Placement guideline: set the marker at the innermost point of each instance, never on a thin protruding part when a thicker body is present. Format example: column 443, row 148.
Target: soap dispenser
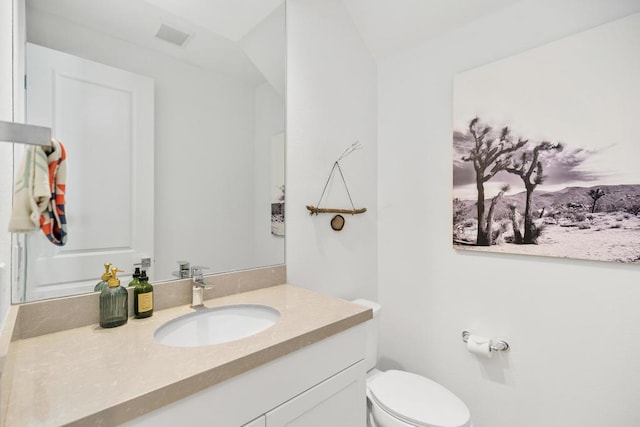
column 105, row 276
column 114, row 303
column 136, row 278
column 143, row 297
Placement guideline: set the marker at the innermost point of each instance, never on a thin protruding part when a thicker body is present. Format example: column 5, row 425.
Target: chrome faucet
column 198, row 286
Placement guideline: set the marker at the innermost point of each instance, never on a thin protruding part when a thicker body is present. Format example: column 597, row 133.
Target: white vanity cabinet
column 322, row 384
column 337, row 401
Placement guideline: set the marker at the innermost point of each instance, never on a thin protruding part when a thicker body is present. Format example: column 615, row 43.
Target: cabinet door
column 339, row 401
column 258, row 422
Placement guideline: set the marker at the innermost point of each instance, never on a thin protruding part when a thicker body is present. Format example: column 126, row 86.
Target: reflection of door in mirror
column 104, row 116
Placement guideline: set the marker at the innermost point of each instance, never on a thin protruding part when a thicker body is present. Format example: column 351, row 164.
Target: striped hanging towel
column 53, row 220
column 31, row 191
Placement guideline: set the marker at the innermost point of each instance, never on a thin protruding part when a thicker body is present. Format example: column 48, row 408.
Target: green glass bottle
column 136, row 278
column 143, row 297
column 105, row 277
column 114, row 303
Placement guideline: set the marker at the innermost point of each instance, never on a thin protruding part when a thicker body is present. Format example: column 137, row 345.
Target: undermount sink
column 216, row 325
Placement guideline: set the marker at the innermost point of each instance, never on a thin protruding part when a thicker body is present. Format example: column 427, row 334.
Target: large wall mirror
column 173, row 117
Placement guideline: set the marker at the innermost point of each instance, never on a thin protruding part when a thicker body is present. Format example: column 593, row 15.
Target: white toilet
column 402, row 399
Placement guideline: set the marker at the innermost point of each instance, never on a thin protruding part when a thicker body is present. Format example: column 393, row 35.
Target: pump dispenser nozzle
column 107, row 274
column 103, row 283
column 113, row 280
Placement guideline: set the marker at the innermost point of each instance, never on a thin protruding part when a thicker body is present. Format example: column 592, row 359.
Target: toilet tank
column 371, row 357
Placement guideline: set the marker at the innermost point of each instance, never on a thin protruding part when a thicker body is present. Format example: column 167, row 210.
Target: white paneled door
column 105, row 118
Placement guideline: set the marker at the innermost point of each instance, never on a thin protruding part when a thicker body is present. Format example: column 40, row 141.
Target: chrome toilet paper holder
column 495, row 345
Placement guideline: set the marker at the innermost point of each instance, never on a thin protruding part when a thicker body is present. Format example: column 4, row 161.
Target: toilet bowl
column 402, row 399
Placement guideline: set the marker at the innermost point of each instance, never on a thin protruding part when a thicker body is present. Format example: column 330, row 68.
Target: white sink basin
column 216, row 325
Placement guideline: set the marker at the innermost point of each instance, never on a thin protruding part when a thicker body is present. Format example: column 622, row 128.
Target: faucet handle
column 184, row 269
column 198, row 279
column 197, row 270
column 196, row 273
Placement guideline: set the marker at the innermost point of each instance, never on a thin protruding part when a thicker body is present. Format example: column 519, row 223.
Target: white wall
column 265, row 45
column 6, row 152
column 204, row 127
column 270, row 121
column 331, row 103
column 572, row 325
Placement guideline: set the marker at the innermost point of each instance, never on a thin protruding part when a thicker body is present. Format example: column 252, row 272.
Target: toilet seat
column 417, row 401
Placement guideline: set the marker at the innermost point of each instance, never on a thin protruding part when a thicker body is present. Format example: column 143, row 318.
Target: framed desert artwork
column 546, row 149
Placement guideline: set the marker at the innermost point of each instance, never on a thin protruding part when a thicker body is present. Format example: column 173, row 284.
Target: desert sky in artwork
column 583, row 91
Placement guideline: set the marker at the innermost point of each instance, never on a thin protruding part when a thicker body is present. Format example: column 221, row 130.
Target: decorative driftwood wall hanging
column 337, row 222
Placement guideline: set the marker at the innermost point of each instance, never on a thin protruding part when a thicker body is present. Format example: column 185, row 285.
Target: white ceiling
column 226, row 33
column 390, row 26
column 230, row 19
column 213, row 46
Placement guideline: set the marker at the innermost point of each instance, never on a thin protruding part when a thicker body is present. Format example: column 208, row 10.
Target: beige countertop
column 94, row 376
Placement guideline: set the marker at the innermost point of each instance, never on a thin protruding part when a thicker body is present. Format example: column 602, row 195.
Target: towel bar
column 25, row 134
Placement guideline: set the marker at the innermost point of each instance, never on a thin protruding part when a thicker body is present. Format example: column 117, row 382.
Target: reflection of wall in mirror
column 269, row 122
column 277, row 185
column 205, row 134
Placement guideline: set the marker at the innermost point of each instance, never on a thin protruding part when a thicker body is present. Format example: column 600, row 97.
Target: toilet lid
column 418, row 400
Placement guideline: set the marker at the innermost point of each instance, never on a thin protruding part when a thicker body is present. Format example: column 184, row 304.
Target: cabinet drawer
column 338, row 401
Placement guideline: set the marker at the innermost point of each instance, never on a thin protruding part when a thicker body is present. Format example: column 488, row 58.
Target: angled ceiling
column 230, row 19
column 232, row 36
column 390, row 26
column 217, row 28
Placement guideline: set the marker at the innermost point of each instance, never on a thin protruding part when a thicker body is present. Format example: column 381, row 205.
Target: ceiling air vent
column 172, row 35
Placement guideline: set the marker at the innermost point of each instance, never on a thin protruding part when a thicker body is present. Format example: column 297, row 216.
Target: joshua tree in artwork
column 515, row 221
column 595, row 194
column 490, row 153
column 529, row 168
column 492, row 207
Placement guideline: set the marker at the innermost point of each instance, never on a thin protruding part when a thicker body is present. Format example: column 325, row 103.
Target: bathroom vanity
column 307, row 369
